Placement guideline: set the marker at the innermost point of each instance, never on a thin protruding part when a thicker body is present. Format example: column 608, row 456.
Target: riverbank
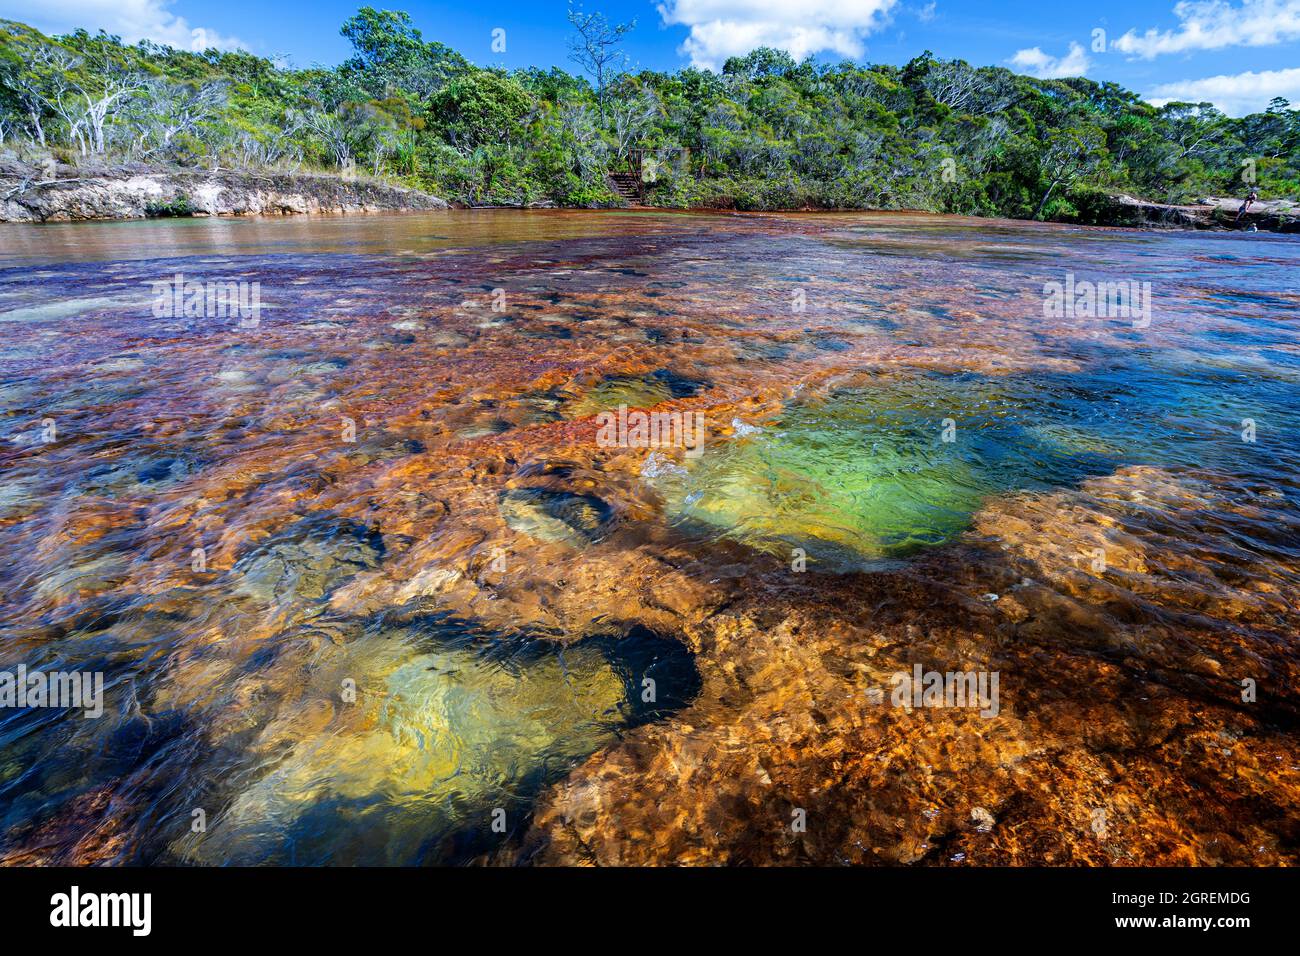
column 61, row 193
column 1278, row 215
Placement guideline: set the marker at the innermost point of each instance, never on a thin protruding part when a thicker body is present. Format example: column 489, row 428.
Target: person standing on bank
column 1245, row 206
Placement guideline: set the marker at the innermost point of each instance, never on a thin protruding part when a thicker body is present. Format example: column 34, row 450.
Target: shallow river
column 555, row 537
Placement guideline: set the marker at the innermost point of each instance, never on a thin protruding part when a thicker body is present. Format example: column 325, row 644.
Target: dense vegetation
column 767, row 132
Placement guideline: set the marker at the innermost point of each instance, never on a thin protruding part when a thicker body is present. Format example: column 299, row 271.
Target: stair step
column 626, row 185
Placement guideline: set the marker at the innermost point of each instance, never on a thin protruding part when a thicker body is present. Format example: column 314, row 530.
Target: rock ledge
column 68, row 194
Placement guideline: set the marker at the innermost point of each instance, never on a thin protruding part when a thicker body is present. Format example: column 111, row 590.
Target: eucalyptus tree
column 165, row 110
column 596, row 48
column 1070, row 155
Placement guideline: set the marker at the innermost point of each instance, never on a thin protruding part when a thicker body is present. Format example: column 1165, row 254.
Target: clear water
column 482, row 573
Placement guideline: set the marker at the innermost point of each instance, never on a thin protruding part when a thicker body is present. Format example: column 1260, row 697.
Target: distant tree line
column 766, row 132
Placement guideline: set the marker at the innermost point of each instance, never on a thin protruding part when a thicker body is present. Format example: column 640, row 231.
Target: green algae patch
column 873, row 473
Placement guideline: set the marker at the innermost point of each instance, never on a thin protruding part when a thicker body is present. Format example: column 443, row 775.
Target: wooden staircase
column 628, row 186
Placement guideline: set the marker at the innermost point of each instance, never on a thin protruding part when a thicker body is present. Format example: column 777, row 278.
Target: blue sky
column 1235, row 53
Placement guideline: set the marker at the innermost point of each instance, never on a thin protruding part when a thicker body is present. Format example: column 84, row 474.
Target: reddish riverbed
column 366, row 583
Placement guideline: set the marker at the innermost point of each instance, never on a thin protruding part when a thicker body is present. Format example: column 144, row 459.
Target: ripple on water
column 452, row 730
column 879, row 471
column 224, row 685
column 556, row 516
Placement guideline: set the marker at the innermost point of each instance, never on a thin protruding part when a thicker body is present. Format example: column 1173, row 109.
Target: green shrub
column 178, row 205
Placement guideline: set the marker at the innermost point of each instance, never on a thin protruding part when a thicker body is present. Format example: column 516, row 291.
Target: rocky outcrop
column 1278, row 215
column 66, row 193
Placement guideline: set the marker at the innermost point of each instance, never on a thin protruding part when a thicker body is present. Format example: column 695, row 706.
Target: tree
column 964, row 89
column 167, row 110
column 595, row 49
column 91, row 86
column 759, row 64
column 38, row 77
column 765, row 132
column 1070, row 154
column 631, row 114
column 391, row 55
column 480, row 108
column 1198, row 130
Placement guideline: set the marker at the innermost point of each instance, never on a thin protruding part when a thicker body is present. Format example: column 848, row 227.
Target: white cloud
column 1215, row 24
column 724, row 28
column 1236, row 95
column 1038, row 63
column 132, row 20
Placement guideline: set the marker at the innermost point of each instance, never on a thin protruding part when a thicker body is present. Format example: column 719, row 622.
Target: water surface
column 364, row 582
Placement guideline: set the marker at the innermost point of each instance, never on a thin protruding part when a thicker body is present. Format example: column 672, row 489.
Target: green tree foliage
column 391, row 57
column 765, row 132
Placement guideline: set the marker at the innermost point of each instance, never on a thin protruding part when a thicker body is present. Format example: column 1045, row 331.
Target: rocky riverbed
column 364, row 579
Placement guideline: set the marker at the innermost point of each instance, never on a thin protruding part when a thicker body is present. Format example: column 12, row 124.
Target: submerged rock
column 634, row 392
column 859, row 474
column 447, row 737
column 306, row 561
column 556, row 516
